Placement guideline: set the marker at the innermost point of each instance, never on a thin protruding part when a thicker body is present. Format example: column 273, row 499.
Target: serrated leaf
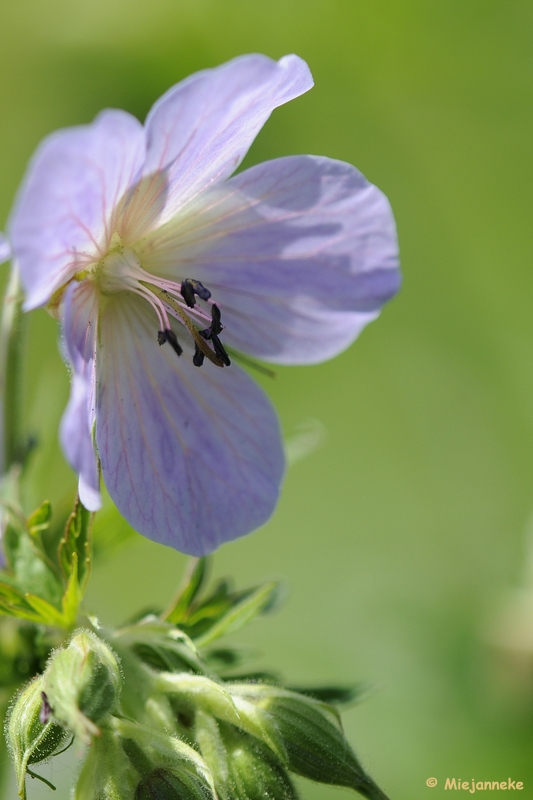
column 74, row 551
column 13, row 603
column 13, row 529
column 39, row 520
column 47, row 613
column 192, row 585
column 38, row 523
column 73, row 595
column 10, row 594
column 31, row 570
column 242, row 610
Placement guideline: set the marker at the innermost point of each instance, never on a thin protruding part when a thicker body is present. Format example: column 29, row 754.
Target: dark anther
column 211, row 335
column 198, row 357
column 190, row 287
column 46, row 710
column 219, row 350
column 169, row 336
column 216, row 326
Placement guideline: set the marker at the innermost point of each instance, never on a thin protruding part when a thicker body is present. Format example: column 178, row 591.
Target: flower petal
column 64, row 212
column 5, row 249
column 299, row 253
column 201, row 129
column 79, row 340
column 191, row 457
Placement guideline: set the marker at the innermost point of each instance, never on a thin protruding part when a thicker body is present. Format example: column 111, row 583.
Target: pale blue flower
column 5, row 249
column 136, row 235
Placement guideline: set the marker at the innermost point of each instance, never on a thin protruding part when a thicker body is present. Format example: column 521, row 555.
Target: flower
column 160, row 265
column 5, row 249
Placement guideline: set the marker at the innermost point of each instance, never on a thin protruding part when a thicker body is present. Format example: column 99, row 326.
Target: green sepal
column 82, row 683
column 243, row 768
column 312, row 735
column 107, row 773
column 152, row 748
column 29, row 740
column 165, row 784
column 200, row 693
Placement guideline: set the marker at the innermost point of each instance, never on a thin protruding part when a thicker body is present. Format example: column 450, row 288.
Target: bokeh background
column 403, row 536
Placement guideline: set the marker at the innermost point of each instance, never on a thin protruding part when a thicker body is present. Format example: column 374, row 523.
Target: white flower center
column 119, row 270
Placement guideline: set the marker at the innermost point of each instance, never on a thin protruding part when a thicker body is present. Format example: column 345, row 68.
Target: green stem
column 12, row 335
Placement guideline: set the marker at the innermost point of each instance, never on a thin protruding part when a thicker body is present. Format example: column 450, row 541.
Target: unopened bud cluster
column 159, row 723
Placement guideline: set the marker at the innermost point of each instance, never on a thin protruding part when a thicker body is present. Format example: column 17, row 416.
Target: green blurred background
column 402, row 536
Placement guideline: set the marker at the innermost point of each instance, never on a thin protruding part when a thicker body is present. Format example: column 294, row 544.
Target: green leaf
column 39, row 520
column 13, row 602
column 162, row 646
column 200, row 616
column 224, row 659
column 74, row 551
column 244, row 607
column 31, row 570
column 72, row 598
column 47, row 614
column 333, row 695
column 192, row 585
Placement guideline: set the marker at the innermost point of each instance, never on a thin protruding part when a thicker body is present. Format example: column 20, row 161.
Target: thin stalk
column 12, row 335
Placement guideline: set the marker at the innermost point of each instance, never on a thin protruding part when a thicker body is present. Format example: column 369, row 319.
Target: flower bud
column 243, row 767
column 29, row 739
column 167, row 767
column 82, row 684
column 164, row 784
column 315, row 743
column 107, row 773
column 201, row 694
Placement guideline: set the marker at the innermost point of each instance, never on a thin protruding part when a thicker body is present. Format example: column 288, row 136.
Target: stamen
column 169, row 336
column 190, row 287
column 179, row 311
column 216, row 326
column 198, row 357
column 211, row 334
column 219, row 350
